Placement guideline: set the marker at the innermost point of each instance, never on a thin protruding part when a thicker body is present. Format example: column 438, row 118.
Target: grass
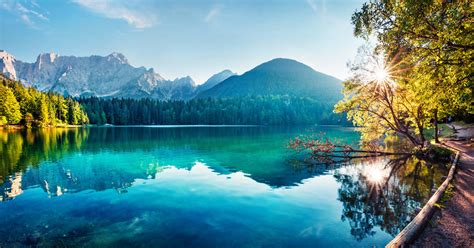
column 448, row 194
column 445, row 131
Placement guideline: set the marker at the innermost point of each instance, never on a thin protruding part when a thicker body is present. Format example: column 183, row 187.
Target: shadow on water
column 246, row 169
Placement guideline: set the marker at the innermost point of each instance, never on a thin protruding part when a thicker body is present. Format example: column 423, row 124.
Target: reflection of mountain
column 259, row 152
column 214, row 186
column 21, row 149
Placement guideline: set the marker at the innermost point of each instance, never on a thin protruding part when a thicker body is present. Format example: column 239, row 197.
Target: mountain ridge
column 113, row 76
column 280, row 76
column 101, row 76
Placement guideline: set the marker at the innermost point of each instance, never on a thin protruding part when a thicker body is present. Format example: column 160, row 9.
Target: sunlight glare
column 378, row 72
column 381, row 74
column 375, row 174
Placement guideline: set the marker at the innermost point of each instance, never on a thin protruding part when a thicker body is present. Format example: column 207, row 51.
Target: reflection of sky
column 213, row 187
column 208, row 202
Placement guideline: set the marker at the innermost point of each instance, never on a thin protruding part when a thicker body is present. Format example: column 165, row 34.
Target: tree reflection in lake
column 385, row 192
column 23, row 148
column 239, row 180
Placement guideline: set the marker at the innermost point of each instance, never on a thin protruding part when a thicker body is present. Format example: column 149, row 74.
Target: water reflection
column 22, row 149
column 385, row 193
column 129, row 185
column 257, row 151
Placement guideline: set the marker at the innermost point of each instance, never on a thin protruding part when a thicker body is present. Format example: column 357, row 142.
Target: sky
column 185, row 37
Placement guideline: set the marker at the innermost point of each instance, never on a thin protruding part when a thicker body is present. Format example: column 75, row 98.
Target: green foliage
column 438, row 153
column 448, row 193
column 429, row 50
column 30, row 107
column 9, row 106
column 435, row 40
column 380, row 106
column 3, row 120
column 257, row 110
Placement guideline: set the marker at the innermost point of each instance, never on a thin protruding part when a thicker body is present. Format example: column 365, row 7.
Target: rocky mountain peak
column 115, row 56
column 47, row 58
column 101, row 76
column 7, row 64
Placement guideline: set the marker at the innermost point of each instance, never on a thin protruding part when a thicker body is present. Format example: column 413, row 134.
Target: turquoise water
column 198, row 187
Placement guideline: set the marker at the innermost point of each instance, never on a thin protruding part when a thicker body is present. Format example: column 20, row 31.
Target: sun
column 376, row 71
column 381, row 74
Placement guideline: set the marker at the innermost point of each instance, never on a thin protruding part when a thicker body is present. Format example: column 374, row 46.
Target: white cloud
column 28, row 12
column 213, row 12
column 133, row 13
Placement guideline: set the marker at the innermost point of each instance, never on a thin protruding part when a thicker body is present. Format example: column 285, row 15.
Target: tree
column 3, row 120
column 28, row 120
column 379, row 104
column 62, row 109
column 429, row 46
column 261, row 110
column 9, row 106
column 42, row 111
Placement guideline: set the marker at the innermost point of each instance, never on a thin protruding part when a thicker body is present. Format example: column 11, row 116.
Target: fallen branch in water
column 324, row 150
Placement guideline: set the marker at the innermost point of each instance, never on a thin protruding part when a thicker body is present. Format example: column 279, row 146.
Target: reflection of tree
column 384, row 194
column 20, row 149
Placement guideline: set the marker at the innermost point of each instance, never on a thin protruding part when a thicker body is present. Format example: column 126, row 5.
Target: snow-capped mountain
column 109, row 76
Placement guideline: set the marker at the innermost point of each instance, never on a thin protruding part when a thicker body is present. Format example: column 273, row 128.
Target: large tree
column 429, row 55
column 379, row 104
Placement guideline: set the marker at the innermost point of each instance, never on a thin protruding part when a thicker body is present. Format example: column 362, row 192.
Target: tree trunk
column 436, row 125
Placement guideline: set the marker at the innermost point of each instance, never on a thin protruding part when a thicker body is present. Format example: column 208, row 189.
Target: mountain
column 113, row 76
column 279, row 77
column 215, row 79
column 7, row 64
column 101, row 76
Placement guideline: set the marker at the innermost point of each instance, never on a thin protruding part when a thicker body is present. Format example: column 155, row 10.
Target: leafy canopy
column 428, row 47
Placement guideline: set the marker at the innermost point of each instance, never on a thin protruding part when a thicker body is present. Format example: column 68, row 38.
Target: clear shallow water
column 198, row 187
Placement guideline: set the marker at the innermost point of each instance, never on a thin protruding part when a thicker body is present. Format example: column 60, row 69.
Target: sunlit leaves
column 429, row 49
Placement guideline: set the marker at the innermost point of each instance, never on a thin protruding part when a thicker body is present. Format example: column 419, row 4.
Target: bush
column 439, row 153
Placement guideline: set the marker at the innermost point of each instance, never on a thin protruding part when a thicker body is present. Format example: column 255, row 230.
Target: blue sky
column 187, row 37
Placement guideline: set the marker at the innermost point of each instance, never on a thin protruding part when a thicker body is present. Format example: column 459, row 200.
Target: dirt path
column 453, row 226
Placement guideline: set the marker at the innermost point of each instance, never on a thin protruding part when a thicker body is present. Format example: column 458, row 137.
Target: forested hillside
column 279, row 77
column 256, row 110
column 30, row 107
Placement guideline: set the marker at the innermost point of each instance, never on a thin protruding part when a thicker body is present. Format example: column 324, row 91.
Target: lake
column 199, row 187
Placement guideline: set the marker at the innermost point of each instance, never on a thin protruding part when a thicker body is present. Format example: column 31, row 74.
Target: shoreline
column 453, row 225
column 419, row 222
column 21, row 127
column 450, row 224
